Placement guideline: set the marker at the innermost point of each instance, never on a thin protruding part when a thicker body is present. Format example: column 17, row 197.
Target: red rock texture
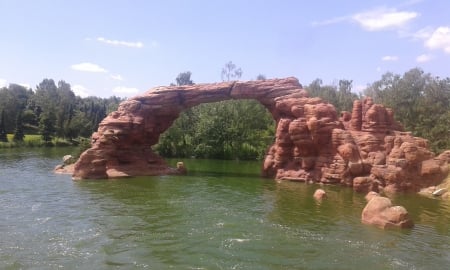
column 380, row 212
column 364, row 148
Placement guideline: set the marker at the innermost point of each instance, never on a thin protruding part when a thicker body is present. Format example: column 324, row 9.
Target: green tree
column 3, row 134
column 345, row 97
column 64, row 108
column 233, row 129
column 231, row 72
column 261, row 77
column 177, row 140
column 13, row 100
column 47, row 127
column 340, row 96
column 184, row 78
column 18, row 132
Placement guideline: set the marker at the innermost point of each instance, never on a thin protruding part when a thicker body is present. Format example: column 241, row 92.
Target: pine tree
column 18, row 132
column 47, row 127
column 3, row 137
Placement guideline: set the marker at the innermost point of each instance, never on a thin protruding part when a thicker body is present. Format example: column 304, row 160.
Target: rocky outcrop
column 380, row 212
column 365, row 148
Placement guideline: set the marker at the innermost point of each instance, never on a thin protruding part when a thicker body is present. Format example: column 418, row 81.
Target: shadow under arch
column 121, row 146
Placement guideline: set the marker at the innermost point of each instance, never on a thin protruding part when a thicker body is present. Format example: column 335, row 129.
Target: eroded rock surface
column 380, row 212
column 312, row 143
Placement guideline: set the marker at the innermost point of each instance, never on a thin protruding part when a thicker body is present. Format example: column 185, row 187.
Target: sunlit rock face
column 380, row 212
column 312, row 142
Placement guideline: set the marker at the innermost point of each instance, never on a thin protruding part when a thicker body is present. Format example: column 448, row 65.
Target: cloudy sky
column 115, row 47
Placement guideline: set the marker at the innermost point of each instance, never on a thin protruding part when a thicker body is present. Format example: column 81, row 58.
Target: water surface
column 220, row 216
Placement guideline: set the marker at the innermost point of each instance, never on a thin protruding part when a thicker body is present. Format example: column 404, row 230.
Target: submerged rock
column 380, row 213
column 64, row 169
column 320, row 194
column 68, row 159
column 181, row 168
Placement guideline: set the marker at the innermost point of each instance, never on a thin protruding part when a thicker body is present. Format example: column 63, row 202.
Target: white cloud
column 88, row 67
column 80, row 90
column 375, row 19
column 125, row 90
column 3, row 83
column 423, row 58
column 423, row 33
column 121, row 43
column 439, row 39
column 389, row 58
column 383, row 19
column 116, row 77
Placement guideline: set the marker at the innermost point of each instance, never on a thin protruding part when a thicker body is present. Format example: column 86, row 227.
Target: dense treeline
column 51, row 110
column 235, row 129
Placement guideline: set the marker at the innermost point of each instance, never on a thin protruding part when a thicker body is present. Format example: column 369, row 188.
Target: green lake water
column 222, row 215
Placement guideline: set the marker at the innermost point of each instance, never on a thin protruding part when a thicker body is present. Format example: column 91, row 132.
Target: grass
column 34, row 140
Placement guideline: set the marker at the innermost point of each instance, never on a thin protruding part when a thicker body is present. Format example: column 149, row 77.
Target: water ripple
column 200, row 221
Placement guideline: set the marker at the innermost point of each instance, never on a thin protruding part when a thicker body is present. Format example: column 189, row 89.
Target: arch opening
column 231, row 129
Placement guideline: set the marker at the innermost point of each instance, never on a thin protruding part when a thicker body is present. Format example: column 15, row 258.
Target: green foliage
column 340, row 96
column 3, row 137
column 53, row 111
column 235, row 129
column 83, row 145
column 231, row 72
column 184, row 78
column 18, row 132
column 421, row 103
column 36, row 140
column 47, row 127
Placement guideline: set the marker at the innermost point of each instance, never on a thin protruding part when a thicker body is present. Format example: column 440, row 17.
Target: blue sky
column 123, row 48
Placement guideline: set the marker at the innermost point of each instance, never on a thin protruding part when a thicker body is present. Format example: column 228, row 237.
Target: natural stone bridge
column 364, row 148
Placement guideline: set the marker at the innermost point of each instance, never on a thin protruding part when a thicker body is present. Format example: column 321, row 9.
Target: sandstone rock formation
column 320, row 194
column 365, row 147
column 380, row 212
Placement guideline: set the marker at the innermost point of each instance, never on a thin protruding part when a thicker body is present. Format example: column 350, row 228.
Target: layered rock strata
column 365, row 147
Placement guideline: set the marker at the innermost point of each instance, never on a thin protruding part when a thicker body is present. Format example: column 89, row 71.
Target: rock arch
column 365, row 148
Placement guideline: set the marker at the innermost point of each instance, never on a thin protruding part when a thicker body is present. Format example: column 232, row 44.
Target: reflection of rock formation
column 311, row 143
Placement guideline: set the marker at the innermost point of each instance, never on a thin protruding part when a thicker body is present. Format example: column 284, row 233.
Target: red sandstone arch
column 364, row 148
